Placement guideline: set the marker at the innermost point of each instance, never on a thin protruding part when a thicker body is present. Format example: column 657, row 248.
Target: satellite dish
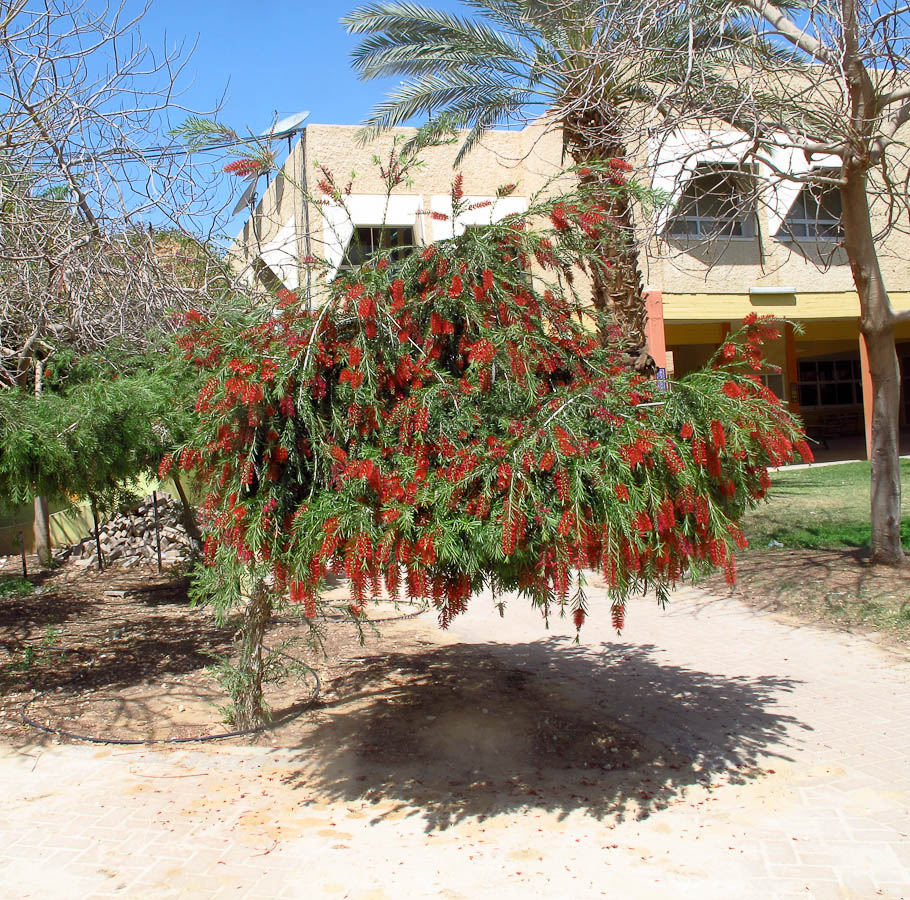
column 287, row 126
column 248, row 196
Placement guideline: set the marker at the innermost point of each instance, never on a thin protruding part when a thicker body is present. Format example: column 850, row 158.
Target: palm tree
column 589, row 67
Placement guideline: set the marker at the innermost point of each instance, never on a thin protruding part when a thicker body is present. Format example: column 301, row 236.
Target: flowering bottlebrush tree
column 446, row 422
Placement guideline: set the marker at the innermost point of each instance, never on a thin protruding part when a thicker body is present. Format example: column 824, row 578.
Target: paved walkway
column 784, row 768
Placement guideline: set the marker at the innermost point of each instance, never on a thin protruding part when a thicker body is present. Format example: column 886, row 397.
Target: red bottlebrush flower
column 718, row 434
column 397, row 294
column 428, row 253
column 701, row 511
column 243, row 167
column 558, row 218
column 280, row 454
column 561, row 481
column 166, row 463
column 442, row 266
column 458, row 187
column 547, row 460
column 728, row 351
column 456, row 287
column 622, row 493
column 365, row 307
column 618, row 615
column 566, row 447
column 482, row 352
column 578, row 618
column 566, row 522
column 686, row 431
column 643, row 522
column 438, row 216
column 286, row 405
column 487, row 280
column 804, row 451
column 503, row 476
column 505, row 190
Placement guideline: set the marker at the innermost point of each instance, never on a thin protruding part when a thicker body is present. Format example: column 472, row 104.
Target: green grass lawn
column 822, row 508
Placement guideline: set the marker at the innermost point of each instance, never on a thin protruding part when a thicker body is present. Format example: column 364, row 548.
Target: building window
column 830, row 382
column 368, row 240
column 815, row 216
column 774, row 381
column 715, row 202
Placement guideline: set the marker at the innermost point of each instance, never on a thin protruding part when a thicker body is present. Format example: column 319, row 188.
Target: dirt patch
column 831, row 588
column 122, row 655
column 409, row 723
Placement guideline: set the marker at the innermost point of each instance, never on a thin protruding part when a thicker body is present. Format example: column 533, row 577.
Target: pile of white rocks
column 129, row 538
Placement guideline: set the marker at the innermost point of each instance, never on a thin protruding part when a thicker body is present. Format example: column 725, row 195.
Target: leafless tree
column 85, row 165
column 819, row 96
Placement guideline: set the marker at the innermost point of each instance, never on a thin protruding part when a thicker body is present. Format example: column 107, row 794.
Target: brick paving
column 797, row 784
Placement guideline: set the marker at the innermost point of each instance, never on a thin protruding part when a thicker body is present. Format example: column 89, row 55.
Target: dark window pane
column 807, row 370
column 368, row 240
column 826, row 370
column 843, row 369
column 808, row 395
column 828, row 394
column 845, row 393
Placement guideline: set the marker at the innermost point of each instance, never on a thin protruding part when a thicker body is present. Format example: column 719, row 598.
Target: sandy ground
column 712, row 751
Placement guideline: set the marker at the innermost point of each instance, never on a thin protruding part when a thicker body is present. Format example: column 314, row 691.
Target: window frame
column 786, row 233
column 348, row 265
column 744, row 217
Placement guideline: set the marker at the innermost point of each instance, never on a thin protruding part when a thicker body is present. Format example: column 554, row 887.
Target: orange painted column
column 654, row 332
column 867, row 391
column 654, row 327
column 792, row 370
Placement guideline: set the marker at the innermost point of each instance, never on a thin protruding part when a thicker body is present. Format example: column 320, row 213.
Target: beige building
column 722, row 248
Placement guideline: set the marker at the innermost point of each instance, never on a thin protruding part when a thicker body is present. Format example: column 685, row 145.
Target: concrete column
column 867, row 391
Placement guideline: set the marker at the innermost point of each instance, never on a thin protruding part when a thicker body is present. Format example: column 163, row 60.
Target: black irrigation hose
column 196, row 739
column 291, row 620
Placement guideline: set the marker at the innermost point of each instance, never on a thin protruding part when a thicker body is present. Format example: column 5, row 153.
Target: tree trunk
column 189, row 520
column 42, row 531
column 250, row 710
column 877, row 326
column 616, row 282
column 42, row 526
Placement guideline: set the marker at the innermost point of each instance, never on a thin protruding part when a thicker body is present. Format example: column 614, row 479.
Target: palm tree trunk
column 616, row 281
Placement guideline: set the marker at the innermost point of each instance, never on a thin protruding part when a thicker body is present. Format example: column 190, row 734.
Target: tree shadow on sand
column 463, row 731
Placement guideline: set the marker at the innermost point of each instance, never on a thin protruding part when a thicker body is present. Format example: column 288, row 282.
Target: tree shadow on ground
column 460, row 732
column 117, row 654
column 19, row 615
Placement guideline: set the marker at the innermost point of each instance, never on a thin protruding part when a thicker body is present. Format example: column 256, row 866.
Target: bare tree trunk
column 877, row 326
column 189, row 520
column 250, row 710
column 42, row 526
column 42, row 529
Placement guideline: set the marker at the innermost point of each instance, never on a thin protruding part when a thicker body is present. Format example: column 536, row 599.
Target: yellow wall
column 804, row 305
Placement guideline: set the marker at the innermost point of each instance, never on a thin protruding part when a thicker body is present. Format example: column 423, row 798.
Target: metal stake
column 22, row 553
column 97, row 535
column 157, row 529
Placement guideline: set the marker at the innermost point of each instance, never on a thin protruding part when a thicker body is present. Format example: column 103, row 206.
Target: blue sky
column 254, row 58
